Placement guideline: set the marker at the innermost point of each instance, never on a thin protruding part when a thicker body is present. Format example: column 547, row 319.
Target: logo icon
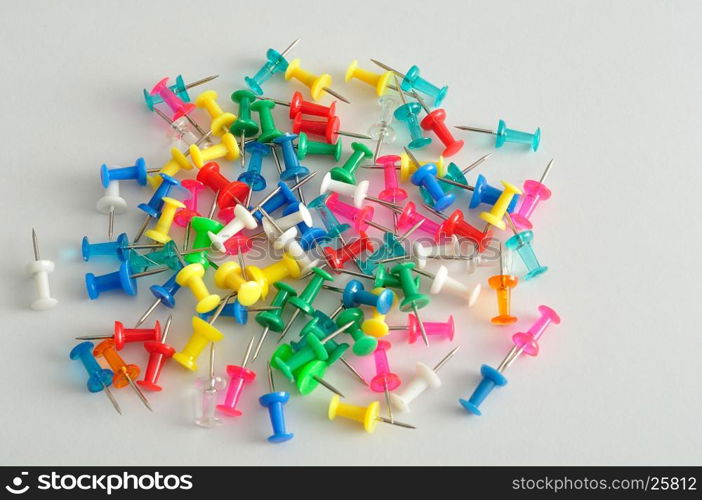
column 17, row 482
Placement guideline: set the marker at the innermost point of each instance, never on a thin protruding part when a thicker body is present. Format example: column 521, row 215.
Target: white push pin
column 40, row 270
column 356, row 191
column 111, row 203
column 451, row 248
column 289, row 243
column 302, row 214
column 443, row 282
column 242, row 219
column 424, row 379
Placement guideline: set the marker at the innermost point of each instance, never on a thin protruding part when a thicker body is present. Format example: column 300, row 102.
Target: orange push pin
column 229, row 276
column 221, row 121
column 379, row 81
column 191, row 276
column 316, row 83
column 124, row 374
column 160, row 231
column 496, row 214
column 227, row 149
column 177, row 163
column 503, row 283
column 369, row 415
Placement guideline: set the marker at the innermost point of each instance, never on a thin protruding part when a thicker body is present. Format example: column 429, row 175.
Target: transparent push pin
column 409, row 113
column 276, row 63
column 369, row 415
column 40, row 269
column 178, row 130
column 124, row 374
column 424, row 378
column 382, row 131
column 316, row 83
column 504, row 134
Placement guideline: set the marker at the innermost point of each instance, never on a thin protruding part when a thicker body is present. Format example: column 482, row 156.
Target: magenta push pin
column 528, row 342
column 534, row 192
column 175, row 103
column 384, row 380
column 238, row 377
column 440, row 329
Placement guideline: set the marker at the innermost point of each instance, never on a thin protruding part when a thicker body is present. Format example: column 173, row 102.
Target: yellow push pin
column 221, row 121
column 177, row 163
column 191, row 276
column 496, row 214
column 379, row 81
column 227, row 149
column 203, row 334
column 369, row 415
column 316, row 84
column 163, row 225
column 229, row 276
column 286, row 267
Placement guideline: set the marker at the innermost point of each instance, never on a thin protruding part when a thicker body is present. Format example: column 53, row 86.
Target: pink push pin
column 238, row 376
column 384, row 379
column 177, row 105
column 409, row 217
column 392, row 192
column 528, row 342
column 534, row 192
column 358, row 216
column 183, row 216
column 439, row 329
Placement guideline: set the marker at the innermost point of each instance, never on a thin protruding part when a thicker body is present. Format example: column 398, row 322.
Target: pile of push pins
column 315, row 243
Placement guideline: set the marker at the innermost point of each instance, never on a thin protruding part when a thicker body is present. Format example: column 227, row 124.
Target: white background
column 615, row 87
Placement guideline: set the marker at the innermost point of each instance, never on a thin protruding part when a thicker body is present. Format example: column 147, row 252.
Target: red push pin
column 436, row 122
column 159, row 353
column 328, row 129
column 298, row 105
column 230, row 192
column 456, row 224
column 124, row 335
column 340, row 256
column 238, row 376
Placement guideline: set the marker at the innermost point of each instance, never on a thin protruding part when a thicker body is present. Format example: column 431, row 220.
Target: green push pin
column 334, row 349
column 386, row 279
column 202, row 226
column 363, row 344
column 413, row 300
column 269, row 131
column 273, row 320
column 306, row 146
column 243, row 126
column 346, row 173
column 303, row 302
column 288, row 362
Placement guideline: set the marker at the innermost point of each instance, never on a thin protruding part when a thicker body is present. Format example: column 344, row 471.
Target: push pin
column 275, row 403
column 285, row 268
column 99, row 379
column 276, row 63
column 409, row 113
column 424, row 378
column 440, row 329
column 238, row 377
column 178, row 131
column 230, row 275
column 521, row 243
column 293, row 168
column 354, row 294
column 382, row 131
column 455, row 224
column 329, row 129
column 426, row 177
column 203, row 333
column 282, row 224
column 504, row 134
column 337, row 257
column 535, row 192
column 163, row 225
column 392, row 192
column 178, row 107
column 272, row 320
column 184, row 216
column 496, row 214
column 123, row 336
column 124, row 374
column 178, row 162
column 191, row 277
column 358, row 216
column 289, row 244
column 279, row 198
column 209, row 387
column 244, row 126
column 346, row 173
column 412, row 81
column 449, row 249
column 221, row 121
column 123, row 279
column 40, row 270
column 306, row 146
column 369, row 415
column 227, row 148
column 164, row 294
column 242, row 220
column 180, row 88
column 502, row 284
column 153, row 207
column 436, row 122
column 482, row 192
column 229, row 193
column 111, row 203
column 269, row 131
column 316, row 84
column 331, row 223
column 413, row 300
column 298, row 105
column 363, row 344
column 303, row 302
column 159, row 353
column 378, row 81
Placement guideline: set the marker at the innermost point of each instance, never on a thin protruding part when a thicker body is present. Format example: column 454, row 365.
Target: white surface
column 616, row 90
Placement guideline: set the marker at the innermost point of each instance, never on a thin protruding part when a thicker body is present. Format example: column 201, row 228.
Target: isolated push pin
column 159, row 353
column 521, row 243
column 40, row 270
column 411, row 81
column 99, row 379
column 316, row 84
column 369, row 415
column 275, row 402
column 275, row 63
column 503, row 284
column 124, row 374
column 424, row 378
column 378, row 81
column 504, row 134
column 238, row 377
column 534, row 192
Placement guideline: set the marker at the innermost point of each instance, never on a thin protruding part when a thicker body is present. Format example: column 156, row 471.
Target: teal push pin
column 505, row 134
column 257, row 151
column 303, row 302
column 409, row 113
column 392, row 247
column 331, row 223
column 412, row 81
column 276, row 63
column 306, row 146
column 521, row 243
column 346, row 173
column 99, row 379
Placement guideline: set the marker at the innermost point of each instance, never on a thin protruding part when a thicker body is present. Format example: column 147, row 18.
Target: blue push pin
column 252, row 176
column 276, row 63
column 491, row 379
column 98, row 378
column 449, row 182
column 293, row 168
column 135, row 172
column 355, row 294
column 409, row 113
column 155, row 204
column 331, row 223
column 118, row 280
column 179, row 89
column 485, row 193
column 521, row 243
column 425, row 176
column 164, row 294
column 309, row 235
column 118, row 248
column 282, row 197
column 505, row 134
column 275, row 402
